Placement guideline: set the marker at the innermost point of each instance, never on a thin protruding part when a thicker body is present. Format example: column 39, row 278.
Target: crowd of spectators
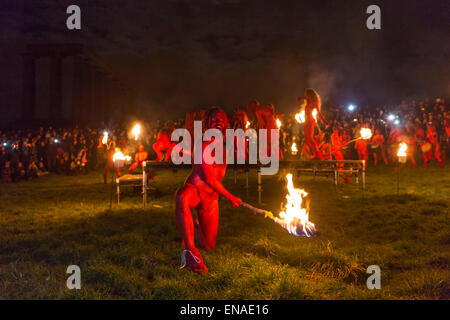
column 27, row 154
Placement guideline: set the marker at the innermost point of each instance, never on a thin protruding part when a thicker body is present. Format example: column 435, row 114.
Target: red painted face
column 217, row 119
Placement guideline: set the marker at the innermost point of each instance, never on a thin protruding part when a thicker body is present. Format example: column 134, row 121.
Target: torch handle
column 266, row 213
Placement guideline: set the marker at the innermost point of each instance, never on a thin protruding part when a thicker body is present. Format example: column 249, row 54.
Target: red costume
column 338, row 144
column 163, row 143
column 378, row 147
column 109, row 165
column 361, row 146
column 201, row 191
column 139, row 158
column 267, row 119
column 432, row 138
column 312, row 102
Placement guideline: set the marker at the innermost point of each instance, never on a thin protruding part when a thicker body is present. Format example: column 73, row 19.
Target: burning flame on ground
column 294, row 218
column 105, row 137
column 300, row 117
column 402, row 150
column 279, row 123
column 365, row 133
column 294, row 148
column 118, row 155
column 136, row 131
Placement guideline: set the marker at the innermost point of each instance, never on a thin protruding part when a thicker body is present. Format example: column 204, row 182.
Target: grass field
column 133, row 253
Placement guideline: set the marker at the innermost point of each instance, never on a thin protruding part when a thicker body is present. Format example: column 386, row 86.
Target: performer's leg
column 133, row 166
column 157, row 146
column 208, row 216
column 105, row 172
column 186, row 198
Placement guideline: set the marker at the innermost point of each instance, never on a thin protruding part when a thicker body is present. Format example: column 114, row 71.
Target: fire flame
column 294, row 148
column 300, row 117
column 136, row 131
column 402, row 150
column 365, row 133
column 105, row 137
column 279, row 123
column 118, row 155
column 294, row 218
column 247, row 125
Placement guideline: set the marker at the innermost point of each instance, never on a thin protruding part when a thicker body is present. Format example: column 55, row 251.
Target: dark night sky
column 183, row 54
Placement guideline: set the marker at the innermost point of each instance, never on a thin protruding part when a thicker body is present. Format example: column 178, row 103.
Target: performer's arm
column 211, row 179
column 322, row 118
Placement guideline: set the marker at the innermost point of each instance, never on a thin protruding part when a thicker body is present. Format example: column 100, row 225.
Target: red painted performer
column 338, row 143
column 239, row 121
column 109, row 165
column 201, row 191
column 163, row 142
column 312, row 101
column 267, row 119
column 139, row 158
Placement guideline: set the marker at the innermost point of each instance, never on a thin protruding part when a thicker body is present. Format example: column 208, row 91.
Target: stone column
column 29, row 87
column 55, row 88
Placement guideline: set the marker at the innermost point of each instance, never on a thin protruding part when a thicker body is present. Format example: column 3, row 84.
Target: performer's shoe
column 192, row 260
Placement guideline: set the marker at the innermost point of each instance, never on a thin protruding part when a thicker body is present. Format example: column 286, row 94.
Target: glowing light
column 300, row 117
column 56, row 140
column 351, row 108
column 118, row 155
column 396, row 122
column 365, row 133
column 105, row 137
column 294, row 149
column 294, row 218
column 136, row 131
column 402, row 150
column 247, row 125
column 279, row 123
column 391, row 117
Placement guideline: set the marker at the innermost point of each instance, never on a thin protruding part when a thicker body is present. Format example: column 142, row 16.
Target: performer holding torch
column 313, row 102
column 201, row 191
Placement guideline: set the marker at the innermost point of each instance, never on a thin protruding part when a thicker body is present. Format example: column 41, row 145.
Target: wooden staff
column 266, row 213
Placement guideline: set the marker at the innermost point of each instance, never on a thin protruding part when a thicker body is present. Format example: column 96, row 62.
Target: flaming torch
column 119, row 158
column 294, row 149
column 136, row 131
column 294, row 218
column 300, row 117
column 364, row 133
column 279, row 124
column 401, row 154
column 105, row 137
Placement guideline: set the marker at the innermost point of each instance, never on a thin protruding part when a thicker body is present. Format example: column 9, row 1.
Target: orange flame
column 294, row 148
column 279, row 123
column 300, row 117
column 365, row 133
column 294, row 218
column 247, row 125
column 118, row 155
column 105, row 137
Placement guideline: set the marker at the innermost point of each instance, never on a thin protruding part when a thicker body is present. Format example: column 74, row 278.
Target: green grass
column 133, row 253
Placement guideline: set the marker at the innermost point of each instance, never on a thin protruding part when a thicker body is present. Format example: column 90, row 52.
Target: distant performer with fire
column 312, row 102
column 267, row 119
column 163, row 143
column 201, row 191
